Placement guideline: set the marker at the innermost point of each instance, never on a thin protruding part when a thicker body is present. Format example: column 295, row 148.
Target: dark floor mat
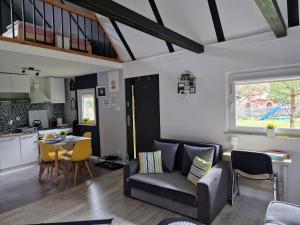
column 109, row 165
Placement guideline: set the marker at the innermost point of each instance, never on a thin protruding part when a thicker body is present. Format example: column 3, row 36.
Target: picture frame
column 101, row 91
column 113, row 81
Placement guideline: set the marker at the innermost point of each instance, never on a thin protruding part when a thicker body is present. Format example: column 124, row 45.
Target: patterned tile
column 11, row 111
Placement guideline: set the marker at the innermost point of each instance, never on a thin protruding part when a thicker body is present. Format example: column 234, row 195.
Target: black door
column 143, row 114
column 87, row 82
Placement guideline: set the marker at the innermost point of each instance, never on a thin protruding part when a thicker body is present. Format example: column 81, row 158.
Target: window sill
column 257, row 133
column 84, row 124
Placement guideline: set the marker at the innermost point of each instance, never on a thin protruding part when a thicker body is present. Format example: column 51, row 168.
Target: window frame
column 259, row 75
column 80, row 93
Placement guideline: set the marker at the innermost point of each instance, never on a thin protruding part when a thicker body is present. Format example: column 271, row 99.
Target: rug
column 109, row 165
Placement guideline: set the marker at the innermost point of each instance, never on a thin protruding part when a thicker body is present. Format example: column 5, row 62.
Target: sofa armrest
column 213, row 191
column 131, row 168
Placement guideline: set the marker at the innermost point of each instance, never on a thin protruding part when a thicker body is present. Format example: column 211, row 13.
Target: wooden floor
column 103, row 199
column 21, row 186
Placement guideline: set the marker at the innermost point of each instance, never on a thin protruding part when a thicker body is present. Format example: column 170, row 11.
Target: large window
column 257, row 101
column 86, row 106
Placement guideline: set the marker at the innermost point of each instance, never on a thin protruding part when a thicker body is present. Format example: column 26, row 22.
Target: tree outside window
column 260, row 103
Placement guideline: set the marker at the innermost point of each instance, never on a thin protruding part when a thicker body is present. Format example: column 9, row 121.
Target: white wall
column 203, row 116
column 112, row 122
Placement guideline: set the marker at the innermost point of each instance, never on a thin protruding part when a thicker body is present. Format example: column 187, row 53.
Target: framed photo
column 101, row 91
column 192, row 90
column 181, row 87
column 113, row 81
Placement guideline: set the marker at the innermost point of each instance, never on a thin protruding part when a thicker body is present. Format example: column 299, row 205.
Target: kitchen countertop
column 8, row 134
column 4, row 134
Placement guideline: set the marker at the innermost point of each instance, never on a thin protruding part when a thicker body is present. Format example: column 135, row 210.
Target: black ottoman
column 282, row 213
column 179, row 221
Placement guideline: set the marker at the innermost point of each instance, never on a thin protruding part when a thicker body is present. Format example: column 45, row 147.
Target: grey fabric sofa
column 282, row 213
column 174, row 192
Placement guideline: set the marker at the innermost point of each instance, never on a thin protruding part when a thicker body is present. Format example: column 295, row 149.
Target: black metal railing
column 53, row 23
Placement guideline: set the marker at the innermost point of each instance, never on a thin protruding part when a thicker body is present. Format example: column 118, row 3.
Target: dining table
column 58, row 142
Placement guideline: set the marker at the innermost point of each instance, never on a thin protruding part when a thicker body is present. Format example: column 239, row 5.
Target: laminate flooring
column 21, row 186
column 103, row 198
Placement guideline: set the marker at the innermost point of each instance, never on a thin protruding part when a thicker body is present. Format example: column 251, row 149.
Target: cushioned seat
column 282, row 213
column 169, row 185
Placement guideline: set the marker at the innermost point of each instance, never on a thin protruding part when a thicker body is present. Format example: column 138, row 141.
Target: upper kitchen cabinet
column 14, row 83
column 55, row 89
column 20, row 84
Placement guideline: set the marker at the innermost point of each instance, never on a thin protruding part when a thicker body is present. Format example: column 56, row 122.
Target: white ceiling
column 51, row 63
column 192, row 19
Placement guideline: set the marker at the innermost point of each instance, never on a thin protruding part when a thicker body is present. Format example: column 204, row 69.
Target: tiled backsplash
column 11, row 111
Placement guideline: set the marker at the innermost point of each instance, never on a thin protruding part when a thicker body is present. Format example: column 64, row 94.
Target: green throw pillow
column 198, row 169
column 150, row 162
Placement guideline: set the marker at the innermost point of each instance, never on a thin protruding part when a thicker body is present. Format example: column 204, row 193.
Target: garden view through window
column 261, row 103
column 88, row 107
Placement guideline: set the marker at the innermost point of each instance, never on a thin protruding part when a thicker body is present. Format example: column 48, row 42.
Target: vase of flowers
column 270, row 130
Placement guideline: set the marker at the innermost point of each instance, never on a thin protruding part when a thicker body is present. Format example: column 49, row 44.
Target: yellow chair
column 80, row 156
column 47, row 158
column 48, row 136
column 87, row 135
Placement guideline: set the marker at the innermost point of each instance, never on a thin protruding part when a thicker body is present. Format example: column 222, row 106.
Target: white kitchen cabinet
column 29, row 148
column 14, row 83
column 5, row 83
column 10, row 154
column 55, row 89
column 20, row 84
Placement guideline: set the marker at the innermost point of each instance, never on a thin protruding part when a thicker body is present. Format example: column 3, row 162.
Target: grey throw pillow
column 168, row 152
column 189, row 153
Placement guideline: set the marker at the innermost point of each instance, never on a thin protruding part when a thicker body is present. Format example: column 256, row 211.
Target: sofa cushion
column 150, row 162
column 218, row 152
column 282, row 213
column 190, row 152
column 168, row 185
column 198, row 169
column 168, row 151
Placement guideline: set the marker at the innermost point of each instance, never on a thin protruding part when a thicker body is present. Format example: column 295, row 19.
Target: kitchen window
column 86, row 106
column 257, row 100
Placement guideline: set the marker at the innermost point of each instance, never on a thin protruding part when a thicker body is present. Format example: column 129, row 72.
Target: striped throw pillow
column 198, row 169
column 150, row 162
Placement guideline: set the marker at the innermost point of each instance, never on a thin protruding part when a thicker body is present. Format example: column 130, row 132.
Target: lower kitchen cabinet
column 10, row 152
column 29, row 148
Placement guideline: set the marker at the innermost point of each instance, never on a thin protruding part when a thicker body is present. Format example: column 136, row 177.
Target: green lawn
column 263, row 123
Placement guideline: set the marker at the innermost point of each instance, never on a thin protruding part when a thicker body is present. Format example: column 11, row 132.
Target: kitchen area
column 30, row 106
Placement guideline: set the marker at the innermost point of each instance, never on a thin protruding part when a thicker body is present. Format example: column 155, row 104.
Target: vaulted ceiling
column 191, row 18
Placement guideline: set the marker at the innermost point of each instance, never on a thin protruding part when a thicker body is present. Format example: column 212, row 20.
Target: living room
column 203, row 110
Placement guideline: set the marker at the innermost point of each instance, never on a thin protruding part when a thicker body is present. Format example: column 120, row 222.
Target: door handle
column 128, row 121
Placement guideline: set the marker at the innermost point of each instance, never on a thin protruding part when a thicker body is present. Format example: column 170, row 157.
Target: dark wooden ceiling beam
column 272, row 14
column 130, row 18
column 216, row 20
column 293, row 12
column 159, row 20
column 117, row 29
